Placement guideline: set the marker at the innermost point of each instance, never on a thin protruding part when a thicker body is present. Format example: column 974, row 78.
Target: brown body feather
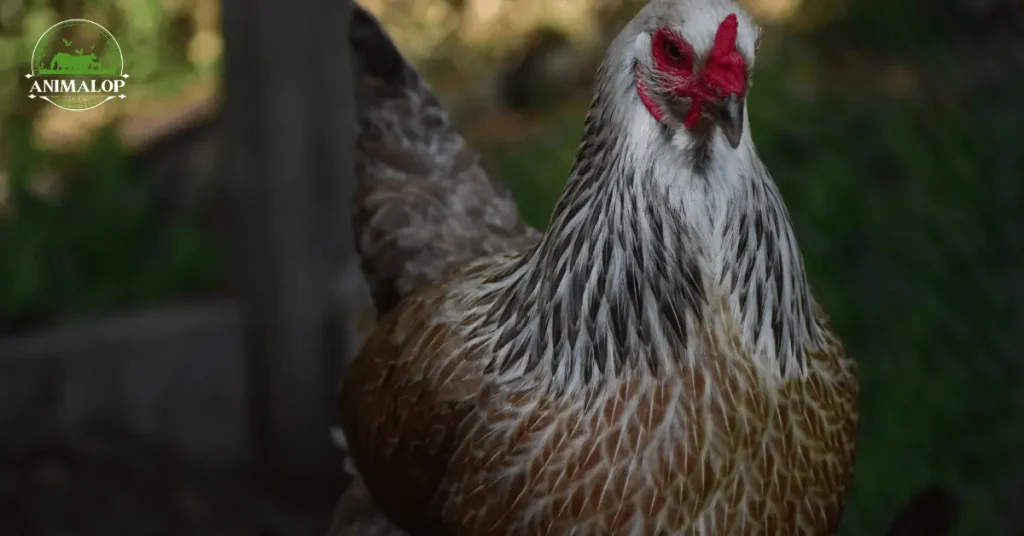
column 710, row 449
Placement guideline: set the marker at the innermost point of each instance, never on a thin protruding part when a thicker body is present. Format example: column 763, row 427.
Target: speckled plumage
column 654, row 363
column 423, row 202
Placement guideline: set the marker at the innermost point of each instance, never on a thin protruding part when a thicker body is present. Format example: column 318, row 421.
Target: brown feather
column 421, row 419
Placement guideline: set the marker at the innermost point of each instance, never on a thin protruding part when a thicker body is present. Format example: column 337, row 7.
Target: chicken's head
column 693, row 60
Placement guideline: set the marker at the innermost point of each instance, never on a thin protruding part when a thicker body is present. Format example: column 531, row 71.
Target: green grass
column 96, row 246
column 536, row 169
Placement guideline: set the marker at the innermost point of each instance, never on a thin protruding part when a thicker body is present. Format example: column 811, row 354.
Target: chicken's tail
column 375, row 54
column 931, row 512
column 423, row 202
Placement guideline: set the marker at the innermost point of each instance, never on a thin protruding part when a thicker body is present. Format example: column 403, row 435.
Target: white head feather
column 656, row 221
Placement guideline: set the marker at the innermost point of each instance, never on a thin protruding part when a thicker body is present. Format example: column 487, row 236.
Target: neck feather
column 633, row 261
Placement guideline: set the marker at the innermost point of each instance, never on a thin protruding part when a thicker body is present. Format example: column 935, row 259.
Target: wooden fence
column 289, row 132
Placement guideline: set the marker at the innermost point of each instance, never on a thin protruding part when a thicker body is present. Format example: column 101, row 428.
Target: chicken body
column 705, row 448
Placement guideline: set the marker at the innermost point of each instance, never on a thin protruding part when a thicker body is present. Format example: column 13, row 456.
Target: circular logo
column 77, row 65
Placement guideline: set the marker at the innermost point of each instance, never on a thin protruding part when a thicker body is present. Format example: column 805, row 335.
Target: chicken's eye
column 673, row 53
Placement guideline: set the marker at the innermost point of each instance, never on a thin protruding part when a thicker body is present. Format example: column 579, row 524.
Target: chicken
column 654, row 363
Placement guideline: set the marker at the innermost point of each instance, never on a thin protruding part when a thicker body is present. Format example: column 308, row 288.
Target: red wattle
column 645, row 97
column 693, row 116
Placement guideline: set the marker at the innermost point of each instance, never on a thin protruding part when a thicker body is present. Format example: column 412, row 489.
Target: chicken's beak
column 730, row 118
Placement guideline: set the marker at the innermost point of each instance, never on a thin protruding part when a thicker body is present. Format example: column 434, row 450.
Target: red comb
column 725, row 38
column 726, row 70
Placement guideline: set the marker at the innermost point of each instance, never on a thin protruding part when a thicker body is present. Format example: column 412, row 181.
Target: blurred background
column 167, row 360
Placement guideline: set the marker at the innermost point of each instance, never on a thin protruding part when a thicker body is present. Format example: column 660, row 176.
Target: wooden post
column 289, row 136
